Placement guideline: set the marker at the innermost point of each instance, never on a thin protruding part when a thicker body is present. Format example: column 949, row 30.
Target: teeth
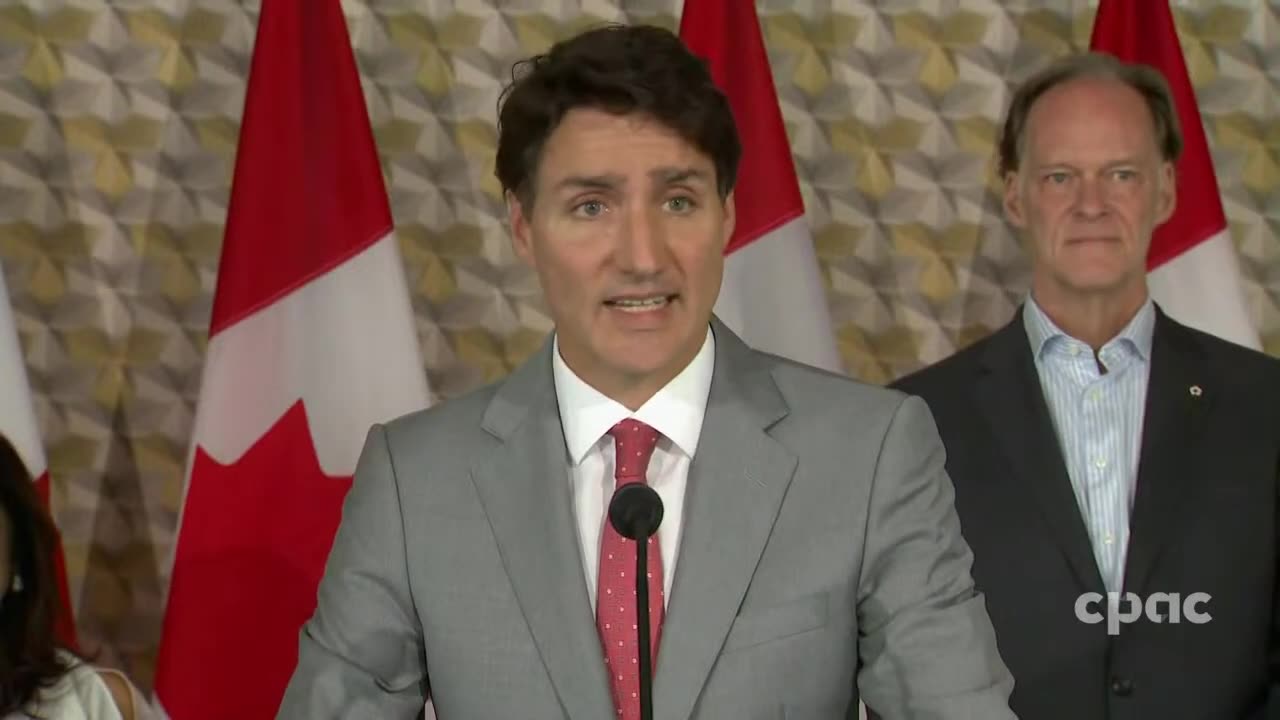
column 644, row 303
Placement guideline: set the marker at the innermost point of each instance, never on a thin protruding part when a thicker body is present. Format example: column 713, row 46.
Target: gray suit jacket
column 821, row 557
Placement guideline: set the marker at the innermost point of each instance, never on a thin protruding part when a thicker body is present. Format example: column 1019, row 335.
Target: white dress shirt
column 1098, row 417
column 676, row 411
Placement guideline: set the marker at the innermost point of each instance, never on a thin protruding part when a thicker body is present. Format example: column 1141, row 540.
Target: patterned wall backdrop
column 118, row 128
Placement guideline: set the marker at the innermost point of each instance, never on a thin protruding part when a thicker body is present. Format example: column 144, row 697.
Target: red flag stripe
column 283, row 220
column 1144, row 32
column 727, row 35
column 773, row 293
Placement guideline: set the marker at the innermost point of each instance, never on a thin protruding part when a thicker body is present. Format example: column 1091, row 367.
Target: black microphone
column 635, row 512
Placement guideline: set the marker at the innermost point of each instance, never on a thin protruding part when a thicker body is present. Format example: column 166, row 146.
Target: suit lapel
column 1178, row 401
column 1009, row 393
column 736, row 484
column 527, row 497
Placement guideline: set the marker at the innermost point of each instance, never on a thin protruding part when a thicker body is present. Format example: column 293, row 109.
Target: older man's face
column 1090, row 189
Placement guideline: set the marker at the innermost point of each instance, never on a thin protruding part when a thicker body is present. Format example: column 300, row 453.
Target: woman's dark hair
column 28, row 648
column 620, row 69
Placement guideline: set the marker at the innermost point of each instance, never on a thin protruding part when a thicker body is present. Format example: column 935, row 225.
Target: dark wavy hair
column 28, row 648
column 621, row 69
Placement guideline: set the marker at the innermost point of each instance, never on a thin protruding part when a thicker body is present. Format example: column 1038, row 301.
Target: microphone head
column 635, row 511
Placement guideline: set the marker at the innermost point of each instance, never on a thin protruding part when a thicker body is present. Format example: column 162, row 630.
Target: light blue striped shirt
column 1098, row 419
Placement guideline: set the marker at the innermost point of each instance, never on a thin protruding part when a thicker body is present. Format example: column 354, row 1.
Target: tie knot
column 634, row 442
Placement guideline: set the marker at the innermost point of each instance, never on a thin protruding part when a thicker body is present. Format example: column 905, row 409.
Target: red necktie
column 616, row 589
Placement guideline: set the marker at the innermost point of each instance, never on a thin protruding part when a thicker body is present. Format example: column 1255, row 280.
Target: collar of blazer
column 1179, row 396
column 737, row 481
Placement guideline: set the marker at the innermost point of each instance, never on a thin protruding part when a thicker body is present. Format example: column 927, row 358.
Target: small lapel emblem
column 1196, row 391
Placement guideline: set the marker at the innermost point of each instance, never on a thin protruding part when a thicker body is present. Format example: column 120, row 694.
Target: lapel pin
column 1196, row 391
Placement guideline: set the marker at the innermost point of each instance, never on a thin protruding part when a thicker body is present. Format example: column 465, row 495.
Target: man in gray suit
column 809, row 554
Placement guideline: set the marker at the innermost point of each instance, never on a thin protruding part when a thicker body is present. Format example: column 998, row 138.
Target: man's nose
column 640, row 246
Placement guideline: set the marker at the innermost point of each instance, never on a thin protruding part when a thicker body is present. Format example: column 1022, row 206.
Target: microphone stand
column 636, row 512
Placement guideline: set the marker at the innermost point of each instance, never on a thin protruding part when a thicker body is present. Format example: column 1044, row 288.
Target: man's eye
column 590, row 208
column 679, row 204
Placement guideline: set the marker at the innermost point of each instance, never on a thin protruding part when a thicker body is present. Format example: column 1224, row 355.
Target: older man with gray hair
column 1115, row 471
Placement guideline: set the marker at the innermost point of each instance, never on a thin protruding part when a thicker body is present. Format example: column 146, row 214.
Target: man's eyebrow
column 610, row 181
column 673, row 175
column 591, row 182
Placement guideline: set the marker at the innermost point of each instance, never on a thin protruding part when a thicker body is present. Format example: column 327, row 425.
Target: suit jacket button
column 1122, row 686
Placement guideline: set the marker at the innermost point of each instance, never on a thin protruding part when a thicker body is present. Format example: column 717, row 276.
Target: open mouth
column 647, row 303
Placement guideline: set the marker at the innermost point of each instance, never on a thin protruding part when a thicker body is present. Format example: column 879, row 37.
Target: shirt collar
column 676, row 411
column 1044, row 334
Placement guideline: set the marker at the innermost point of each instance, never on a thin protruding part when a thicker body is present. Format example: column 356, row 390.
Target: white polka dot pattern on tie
column 634, row 443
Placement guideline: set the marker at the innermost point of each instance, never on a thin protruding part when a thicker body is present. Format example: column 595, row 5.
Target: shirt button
column 1094, row 395
column 1122, row 686
column 1108, row 538
column 1100, row 463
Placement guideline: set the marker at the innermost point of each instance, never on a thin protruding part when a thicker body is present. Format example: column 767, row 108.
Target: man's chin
column 1101, row 278
column 639, row 368
column 642, row 360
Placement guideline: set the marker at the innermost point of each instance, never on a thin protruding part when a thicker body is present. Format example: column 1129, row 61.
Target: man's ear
column 521, row 232
column 1167, row 201
column 730, row 219
column 1013, row 209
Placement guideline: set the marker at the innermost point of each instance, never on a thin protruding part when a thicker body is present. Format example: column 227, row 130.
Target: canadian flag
column 1193, row 271
column 312, row 340
column 18, row 424
column 773, row 294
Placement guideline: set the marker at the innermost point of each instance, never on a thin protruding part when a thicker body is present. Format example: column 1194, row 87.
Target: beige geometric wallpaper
column 118, row 128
